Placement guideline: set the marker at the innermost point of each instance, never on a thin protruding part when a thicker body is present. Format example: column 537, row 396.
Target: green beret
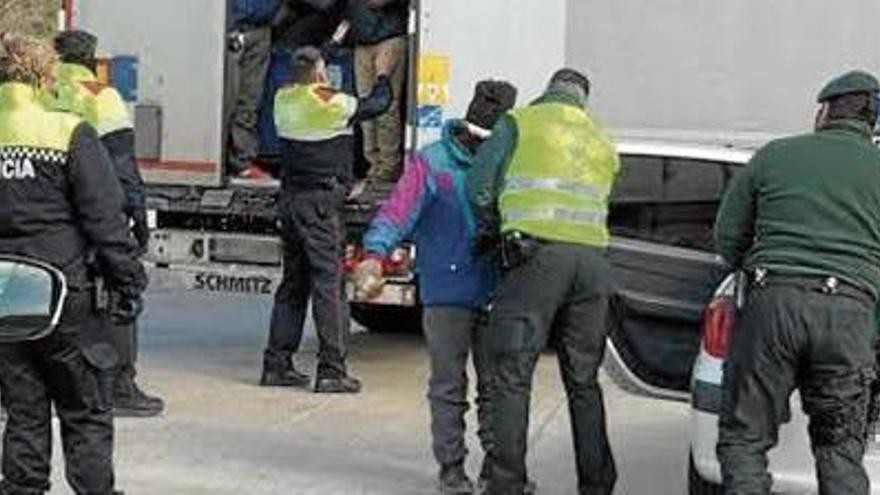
column 851, row 82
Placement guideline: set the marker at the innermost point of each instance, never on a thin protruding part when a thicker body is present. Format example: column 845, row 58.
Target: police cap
column 852, row 82
column 76, row 46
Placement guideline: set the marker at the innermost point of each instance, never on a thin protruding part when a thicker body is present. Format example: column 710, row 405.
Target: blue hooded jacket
column 429, row 205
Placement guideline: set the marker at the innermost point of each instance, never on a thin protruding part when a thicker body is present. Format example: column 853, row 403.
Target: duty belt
column 829, row 285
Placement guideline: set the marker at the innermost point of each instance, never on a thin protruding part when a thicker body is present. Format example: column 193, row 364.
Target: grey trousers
column 245, row 79
column 454, row 334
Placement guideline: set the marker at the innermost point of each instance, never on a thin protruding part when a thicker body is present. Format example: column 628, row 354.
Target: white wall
column 713, row 67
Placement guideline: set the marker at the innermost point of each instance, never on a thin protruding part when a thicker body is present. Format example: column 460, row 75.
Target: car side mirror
column 32, row 296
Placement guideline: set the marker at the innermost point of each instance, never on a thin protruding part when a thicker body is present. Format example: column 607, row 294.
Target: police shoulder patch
column 325, row 93
column 20, row 162
column 94, row 87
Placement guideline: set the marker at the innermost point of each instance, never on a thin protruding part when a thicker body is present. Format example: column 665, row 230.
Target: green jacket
column 808, row 205
column 491, row 164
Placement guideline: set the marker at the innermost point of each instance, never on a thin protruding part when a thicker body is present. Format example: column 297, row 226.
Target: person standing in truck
column 429, row 205
column 314, row 124
column 247, row 63
column 62, row 204
column 380, row 26
column 77, row 90
column 802, row 220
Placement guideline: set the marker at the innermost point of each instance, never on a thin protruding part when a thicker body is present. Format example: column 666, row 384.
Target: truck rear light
column 353, row 255
column 717, row 326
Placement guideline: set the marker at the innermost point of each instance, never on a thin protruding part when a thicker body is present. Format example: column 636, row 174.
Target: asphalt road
column 223, row 435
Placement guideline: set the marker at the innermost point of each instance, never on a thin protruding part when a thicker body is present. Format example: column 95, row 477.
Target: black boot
column 453, row 480
column 282, row 374
column 130, row 401
column 338, row 385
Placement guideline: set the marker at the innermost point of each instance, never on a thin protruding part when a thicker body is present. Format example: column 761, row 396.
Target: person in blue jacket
column 429, row 205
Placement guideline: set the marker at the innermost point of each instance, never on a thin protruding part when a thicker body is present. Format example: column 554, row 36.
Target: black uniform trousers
column 560, row 294
column 313, row 236
column 791, row 337
column 453, row 334
column 125, row 344
column 57, row 370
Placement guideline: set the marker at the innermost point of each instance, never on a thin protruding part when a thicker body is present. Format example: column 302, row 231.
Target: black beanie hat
column 76, row 47
column 491, row 100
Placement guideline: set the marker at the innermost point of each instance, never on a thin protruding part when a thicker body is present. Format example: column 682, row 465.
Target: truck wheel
column 388, row 319
column 697, row 485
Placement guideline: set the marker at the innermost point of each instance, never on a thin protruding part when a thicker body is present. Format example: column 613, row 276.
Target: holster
column 517, row 249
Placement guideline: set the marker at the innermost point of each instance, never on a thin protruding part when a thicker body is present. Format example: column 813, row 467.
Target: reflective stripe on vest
column 558, row 214
column 313, row 113
column 560, row 176
column 78, row 91
column 528, row 183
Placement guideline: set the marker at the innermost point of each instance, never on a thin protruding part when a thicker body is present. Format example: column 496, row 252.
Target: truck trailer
column 212, row 233
column 737, row 73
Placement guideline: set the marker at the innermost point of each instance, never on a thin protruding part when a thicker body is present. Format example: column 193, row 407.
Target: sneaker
column 288, row 377
column 341, row 385
column 453, row 480
column 254, row 172
column 129, row 401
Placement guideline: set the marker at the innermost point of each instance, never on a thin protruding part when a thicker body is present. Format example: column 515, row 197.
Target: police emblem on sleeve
column 19, row 163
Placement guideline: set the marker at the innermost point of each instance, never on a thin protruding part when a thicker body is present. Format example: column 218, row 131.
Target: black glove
column 487, row 243
column 126, row 309
column 141, row 229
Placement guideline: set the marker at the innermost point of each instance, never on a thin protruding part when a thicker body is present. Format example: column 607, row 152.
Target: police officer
column 314, row 122
column 548, row 170
column 803, row 221
column 78, row 91
column 59, row 201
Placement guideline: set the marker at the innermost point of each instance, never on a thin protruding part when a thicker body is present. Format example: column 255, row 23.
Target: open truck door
column 172, row 55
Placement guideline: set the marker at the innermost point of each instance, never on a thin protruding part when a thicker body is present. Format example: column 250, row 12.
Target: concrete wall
column 708, row 68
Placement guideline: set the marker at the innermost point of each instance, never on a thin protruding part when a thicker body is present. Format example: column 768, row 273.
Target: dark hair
column 305, row 65
column 853, row 106
column 77, row 47
column 571, row 76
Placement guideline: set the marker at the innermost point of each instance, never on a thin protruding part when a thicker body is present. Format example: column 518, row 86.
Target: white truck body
column 686, row 71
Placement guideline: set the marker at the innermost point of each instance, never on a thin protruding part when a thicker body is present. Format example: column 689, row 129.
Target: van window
column 672, row 201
